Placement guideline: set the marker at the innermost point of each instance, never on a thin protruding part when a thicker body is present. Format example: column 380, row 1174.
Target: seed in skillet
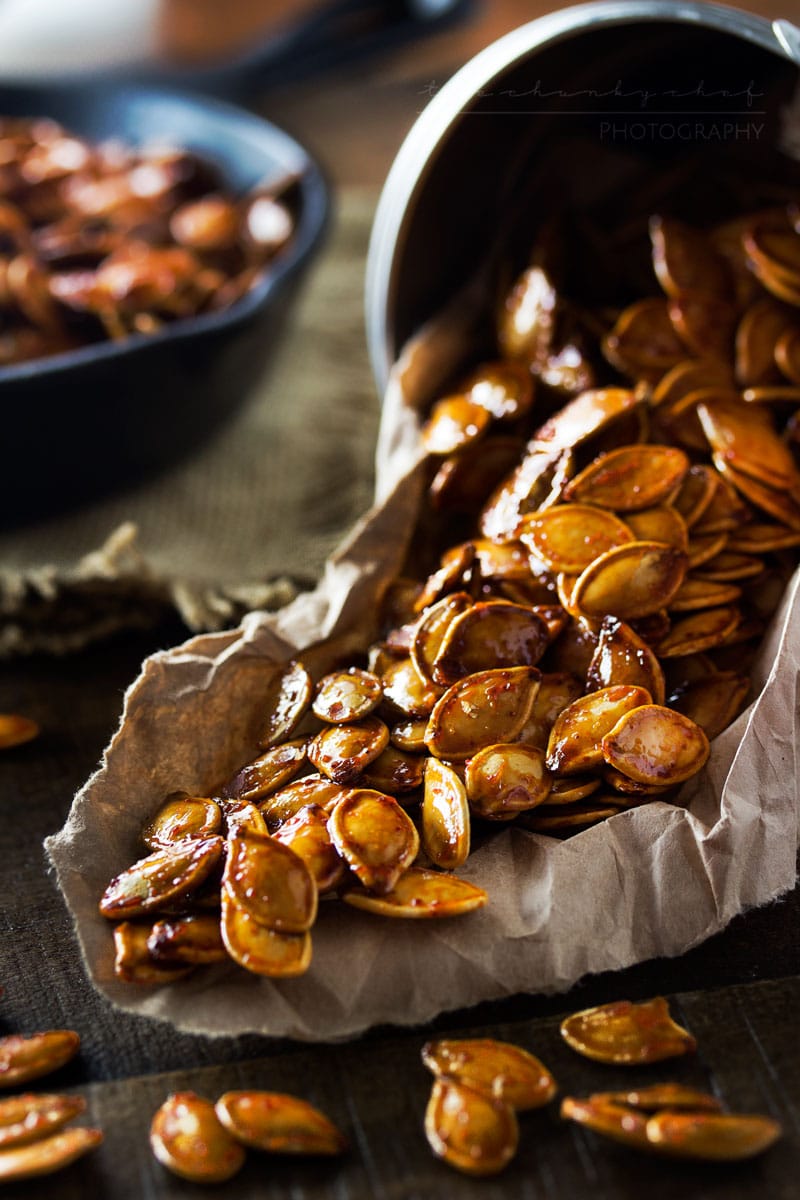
column 15, row 730
column 623, row 1032
column 470, row 1130
column 278, row 1124
column 188, row 1139
column 26, row 1058
column 35, row 1115
column 420, row 894
column 48, row 1155
column 497, row 1068
column 375, row 836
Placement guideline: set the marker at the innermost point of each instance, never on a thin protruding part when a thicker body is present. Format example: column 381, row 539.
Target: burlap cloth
column 247, row 521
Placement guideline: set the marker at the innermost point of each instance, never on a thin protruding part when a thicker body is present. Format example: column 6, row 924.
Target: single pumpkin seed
column 187, row 1138
column 421, row 894
column 626, row 1033
column 278, row 1124
column 497, row 1068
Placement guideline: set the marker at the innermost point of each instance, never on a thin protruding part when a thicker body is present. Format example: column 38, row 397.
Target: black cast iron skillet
column 78, row 424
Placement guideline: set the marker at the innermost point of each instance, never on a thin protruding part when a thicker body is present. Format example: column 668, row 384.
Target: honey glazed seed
column 627, row 1033
column 187, row 1138
column 561, row 660
column 101, row 244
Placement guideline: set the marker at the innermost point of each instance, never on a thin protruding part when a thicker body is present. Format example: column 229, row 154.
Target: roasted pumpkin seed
column 445, row 816
column 267, row 773
column 473, row 1132
column 626, row 1033
column 455, row 421
column 134, row 962
column 407, row 691
column 497, row 1068
column 35, row 1115
column 187, row 1138
column 504, row 389
column 420, row 894
column 375, row 837
column 556, row 690
column 614, row 1121
column 700, row 631
column 285, row 804
column 181, row 817
column 657, row 1096
column 643, row 343
column 342, row 752
column 583, row 418
column 431, row 630
column 243, row 817
column 26, row 1058
column 481, row 710
column 278, row 1124
column 16, row 730
column 654, row 744
column 630, row 581
column 395, row 772
column 575, row 743
column 191, row 940
column 288, row 697
column 621, row 657
column 569, row 537
column 490, row 636
column 164, row 876
column 307, row 835
column 260, row 950
column 48, row 1155
column 506, row 779
column 270, row 883
column 713, row 1137
column 347, row 696
column 630, row 478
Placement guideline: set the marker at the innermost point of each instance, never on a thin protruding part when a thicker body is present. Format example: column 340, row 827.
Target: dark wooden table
column 739, row 992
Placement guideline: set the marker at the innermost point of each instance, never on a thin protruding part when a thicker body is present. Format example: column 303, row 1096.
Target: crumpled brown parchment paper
column 650, row 881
